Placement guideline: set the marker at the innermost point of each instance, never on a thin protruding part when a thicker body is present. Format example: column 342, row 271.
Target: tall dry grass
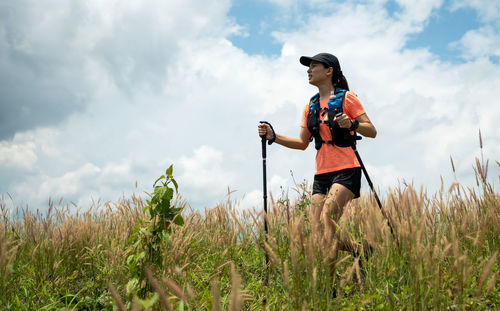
column 442, row 254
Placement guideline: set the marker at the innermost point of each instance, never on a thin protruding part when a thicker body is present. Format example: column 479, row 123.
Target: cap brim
column 306, row 60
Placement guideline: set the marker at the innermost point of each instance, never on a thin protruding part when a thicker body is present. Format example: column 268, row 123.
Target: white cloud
column 163, row 84
column 424, row 109
column 203, row 168
column 27, row 149
column 383, row 178
column 277, row 184
column 82, row 186
column 484, row 41
column 20, row 155
column 417, row 11
column 488, row 11
column 72, row 182
column 277, row 188
column 252, row 200
column 204, row 173
column 481, row 42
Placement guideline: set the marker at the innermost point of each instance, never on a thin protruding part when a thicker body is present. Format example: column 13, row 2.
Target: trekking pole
column 264, row 174
column 371, row 186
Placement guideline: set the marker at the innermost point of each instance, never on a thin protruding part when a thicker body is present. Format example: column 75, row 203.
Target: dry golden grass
column 443, row 255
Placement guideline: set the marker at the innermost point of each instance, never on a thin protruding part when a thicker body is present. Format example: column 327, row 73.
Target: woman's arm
column 300, row 142
column 365, row 128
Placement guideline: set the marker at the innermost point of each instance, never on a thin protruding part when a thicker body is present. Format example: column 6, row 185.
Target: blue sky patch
column 392, row 8
column 259, row 19
column 495, row 59
column 445, row 27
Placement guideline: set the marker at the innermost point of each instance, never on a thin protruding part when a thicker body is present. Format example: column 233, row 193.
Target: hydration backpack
column 341, row 137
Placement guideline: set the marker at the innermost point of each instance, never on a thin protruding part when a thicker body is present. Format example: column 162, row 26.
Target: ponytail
column 343, row 83
column 340, row 82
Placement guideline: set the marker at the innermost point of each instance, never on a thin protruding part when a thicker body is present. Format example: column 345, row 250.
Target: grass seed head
column 235, row 302
column 176, row 289
column 156, row 286
column 116, row 297
column 486, row 272
column 215, row 293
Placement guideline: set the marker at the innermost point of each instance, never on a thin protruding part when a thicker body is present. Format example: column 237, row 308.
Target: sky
column 99, row 97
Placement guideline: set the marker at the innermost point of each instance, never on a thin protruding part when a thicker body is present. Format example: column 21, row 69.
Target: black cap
column 328, row 59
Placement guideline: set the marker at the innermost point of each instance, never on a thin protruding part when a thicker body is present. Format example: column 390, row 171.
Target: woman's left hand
column 343, row 121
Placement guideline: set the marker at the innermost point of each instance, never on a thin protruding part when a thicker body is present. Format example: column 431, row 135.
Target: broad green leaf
column 159, row 192
column 176, row 185
column 178, row 220
column 130, row 259
column 170, row 170
column 168, row 194
column 132, row 285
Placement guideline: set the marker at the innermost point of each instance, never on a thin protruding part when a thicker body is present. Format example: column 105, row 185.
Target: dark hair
column 338, row 78
column 328, row 60
column 340, row 82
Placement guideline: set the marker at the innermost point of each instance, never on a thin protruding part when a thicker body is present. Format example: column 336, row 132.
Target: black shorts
column 349, row 178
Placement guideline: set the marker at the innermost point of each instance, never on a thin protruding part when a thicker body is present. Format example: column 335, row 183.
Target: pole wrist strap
column 354, row 125
column 274, row 134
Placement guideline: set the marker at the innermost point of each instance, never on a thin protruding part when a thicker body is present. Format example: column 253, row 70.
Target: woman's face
column 318, row 74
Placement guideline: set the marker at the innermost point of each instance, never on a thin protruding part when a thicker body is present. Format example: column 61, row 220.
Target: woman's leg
column 333, row 207
column 317, row 202
column 327, row 209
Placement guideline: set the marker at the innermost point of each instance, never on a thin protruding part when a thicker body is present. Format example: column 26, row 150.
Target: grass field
column 443, row 255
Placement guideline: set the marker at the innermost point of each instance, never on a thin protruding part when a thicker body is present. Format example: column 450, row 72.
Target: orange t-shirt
column 330, row 158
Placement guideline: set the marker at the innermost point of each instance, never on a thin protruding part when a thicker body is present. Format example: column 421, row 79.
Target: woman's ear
column 329, row 71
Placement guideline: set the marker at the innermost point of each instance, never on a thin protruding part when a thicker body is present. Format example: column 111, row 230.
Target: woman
column 337, row 177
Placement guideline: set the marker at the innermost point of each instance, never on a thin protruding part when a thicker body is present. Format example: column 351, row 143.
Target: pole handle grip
column 274, row 133
column 263, row 141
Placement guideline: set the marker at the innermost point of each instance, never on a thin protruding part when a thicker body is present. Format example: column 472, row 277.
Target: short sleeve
column 352, row 106
column 303, row 121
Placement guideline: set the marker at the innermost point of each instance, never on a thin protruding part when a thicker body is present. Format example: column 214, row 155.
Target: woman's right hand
column 265, row 129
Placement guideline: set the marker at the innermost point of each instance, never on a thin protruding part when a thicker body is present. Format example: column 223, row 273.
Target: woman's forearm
column 292, row 142
column 367, row 129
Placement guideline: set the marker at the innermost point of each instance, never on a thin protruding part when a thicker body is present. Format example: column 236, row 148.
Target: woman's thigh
column 337, row 198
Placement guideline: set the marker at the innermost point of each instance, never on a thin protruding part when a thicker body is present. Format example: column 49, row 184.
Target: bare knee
column 332, row 209
column 337, row 198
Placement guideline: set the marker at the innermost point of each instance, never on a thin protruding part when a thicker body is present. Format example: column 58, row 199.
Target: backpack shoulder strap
column 314, row 102
column 313, row 121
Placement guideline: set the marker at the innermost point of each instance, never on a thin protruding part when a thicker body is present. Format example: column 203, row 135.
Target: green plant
column 149, row 235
